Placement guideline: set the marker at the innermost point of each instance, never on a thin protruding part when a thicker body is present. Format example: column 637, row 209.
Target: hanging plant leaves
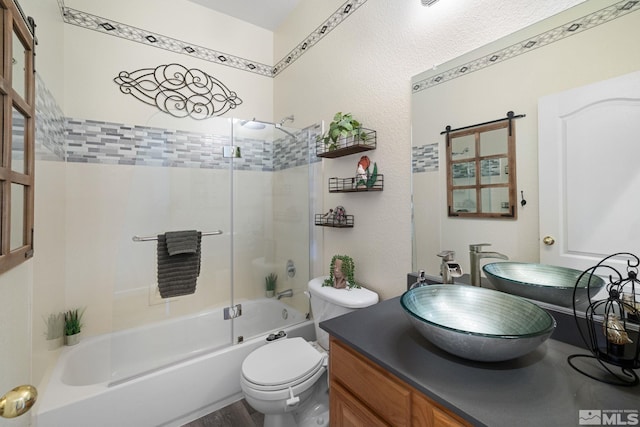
column 371, row 181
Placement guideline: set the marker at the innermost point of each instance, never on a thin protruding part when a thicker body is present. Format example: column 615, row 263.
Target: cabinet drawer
column 375, row 388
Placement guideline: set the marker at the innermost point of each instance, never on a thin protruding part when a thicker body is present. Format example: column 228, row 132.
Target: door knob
column 548, row 240
column 18, row 401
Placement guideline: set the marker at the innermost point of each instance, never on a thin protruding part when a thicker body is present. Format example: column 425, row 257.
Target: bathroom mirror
column 587, row 43
column 481, row 178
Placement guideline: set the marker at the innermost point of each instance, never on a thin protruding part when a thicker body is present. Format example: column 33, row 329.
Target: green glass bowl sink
column 541, row 282
column 476, row 323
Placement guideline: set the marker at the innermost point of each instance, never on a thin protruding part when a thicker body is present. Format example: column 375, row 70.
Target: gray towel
column 182, row 242
column 177, row 274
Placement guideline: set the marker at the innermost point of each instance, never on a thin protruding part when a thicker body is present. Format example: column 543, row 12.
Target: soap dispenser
column 449, row 268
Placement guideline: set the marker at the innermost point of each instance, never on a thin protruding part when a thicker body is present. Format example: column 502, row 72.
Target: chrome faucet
column 449, row 268
column 287, row 293
column 422, row 280
column 476, row 254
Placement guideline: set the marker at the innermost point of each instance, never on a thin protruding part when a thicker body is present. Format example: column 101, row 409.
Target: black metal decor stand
column 610, row 331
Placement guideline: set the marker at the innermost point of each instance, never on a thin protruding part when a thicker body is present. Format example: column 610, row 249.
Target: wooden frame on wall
column 17, row 162
column 481, row 170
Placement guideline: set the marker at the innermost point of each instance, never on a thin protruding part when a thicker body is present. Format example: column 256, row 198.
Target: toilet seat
column 281, row 365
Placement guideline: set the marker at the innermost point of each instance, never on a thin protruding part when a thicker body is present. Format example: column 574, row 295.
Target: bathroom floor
column 238, row 414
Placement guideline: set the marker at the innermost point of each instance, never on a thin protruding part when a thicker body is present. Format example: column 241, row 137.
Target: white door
column 589, row 172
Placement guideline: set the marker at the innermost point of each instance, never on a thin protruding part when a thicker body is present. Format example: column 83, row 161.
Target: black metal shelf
column 325, row 220
column 343, row 147
column 349, row 185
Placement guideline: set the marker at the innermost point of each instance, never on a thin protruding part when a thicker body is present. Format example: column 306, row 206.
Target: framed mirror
column 481, row 170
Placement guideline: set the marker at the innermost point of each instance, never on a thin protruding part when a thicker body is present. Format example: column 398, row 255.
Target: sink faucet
column 422, row 280
column 449, row 268
column 476, row 254
column 287, row 293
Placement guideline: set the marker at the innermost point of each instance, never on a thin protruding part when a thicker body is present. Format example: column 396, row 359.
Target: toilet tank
column 328, row 302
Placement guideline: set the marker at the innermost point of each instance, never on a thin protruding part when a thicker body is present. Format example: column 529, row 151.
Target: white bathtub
column 165, row 374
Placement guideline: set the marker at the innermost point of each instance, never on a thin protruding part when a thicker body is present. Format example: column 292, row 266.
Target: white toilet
column 286, row 379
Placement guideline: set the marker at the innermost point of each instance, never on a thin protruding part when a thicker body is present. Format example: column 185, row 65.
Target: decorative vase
column 72, row 339
column 270, row 294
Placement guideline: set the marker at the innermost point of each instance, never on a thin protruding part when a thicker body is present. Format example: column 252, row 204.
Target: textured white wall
column 365, row 67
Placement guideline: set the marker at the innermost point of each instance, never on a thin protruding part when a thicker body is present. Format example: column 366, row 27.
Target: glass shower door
column 270, row 226
column 179, row 180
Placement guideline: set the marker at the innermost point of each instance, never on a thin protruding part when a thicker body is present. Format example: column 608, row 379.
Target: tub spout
column 287, row 293
column 475, row 255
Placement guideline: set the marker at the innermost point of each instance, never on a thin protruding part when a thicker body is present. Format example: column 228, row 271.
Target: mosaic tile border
column 100, row 142
column 49, row 125
column 425, row 158
column 571, row 28
column 94, row 141
column 149, row 38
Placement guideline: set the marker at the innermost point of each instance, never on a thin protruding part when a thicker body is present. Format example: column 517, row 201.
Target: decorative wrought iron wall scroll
column 179, row 91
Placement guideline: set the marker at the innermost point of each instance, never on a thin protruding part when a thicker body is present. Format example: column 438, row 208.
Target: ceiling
column 267, row 14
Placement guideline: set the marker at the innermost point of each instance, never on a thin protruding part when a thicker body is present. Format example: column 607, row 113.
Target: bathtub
column 158, row 375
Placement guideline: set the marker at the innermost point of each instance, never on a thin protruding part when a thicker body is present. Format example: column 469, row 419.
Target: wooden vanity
column 384, row 373
column 364, row 394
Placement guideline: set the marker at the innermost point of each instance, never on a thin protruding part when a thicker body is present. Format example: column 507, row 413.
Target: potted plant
column 342, row 127
column 72, row 326
column 270, row 282
column 341, row 273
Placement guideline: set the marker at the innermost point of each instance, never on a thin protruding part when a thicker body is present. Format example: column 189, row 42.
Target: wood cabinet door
column 426, row 413
column 347, row 411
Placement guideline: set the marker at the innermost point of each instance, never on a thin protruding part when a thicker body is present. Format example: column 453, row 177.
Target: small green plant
column 347, row 270
column 73, row 322
column 343, row 125
column 270, row 281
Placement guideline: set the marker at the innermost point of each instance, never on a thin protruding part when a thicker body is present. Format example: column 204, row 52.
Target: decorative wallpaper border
column 139, row 35
column 574, row 27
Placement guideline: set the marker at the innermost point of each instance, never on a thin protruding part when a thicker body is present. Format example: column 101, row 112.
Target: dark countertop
column 539, row 389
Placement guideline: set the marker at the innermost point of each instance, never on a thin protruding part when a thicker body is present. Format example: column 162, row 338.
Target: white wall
column 365, row 67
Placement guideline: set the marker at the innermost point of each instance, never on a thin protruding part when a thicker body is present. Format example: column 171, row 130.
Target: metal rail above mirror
column 481, row 169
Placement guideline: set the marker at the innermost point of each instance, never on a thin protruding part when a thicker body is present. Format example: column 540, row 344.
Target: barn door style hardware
column 179, row 91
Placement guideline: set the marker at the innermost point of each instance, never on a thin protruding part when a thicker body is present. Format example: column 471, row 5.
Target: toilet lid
column 282, row 362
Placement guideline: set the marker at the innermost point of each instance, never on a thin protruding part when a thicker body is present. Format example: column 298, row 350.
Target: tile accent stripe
column 149, row 38
column 49, row 125
column 574, row 27
column 425, row 158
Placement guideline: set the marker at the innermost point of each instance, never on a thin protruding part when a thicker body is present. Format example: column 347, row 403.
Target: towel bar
column 149, row 238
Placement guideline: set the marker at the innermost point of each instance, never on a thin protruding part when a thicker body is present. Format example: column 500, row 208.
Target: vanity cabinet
column 363, row 394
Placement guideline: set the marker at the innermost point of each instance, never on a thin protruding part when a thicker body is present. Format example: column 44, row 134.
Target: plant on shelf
column 341, row 273
column 270, row 283
column 72, row 326
column 342, row 126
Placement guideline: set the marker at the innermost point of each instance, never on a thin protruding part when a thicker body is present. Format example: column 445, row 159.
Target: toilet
column 287, row 379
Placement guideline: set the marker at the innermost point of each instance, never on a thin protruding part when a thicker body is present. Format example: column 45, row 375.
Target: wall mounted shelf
column 346, row 146
column 348, row 185
column 330, row 221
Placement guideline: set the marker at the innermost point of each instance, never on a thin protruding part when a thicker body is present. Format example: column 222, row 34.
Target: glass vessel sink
column 541, row 282
column 476, row 323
